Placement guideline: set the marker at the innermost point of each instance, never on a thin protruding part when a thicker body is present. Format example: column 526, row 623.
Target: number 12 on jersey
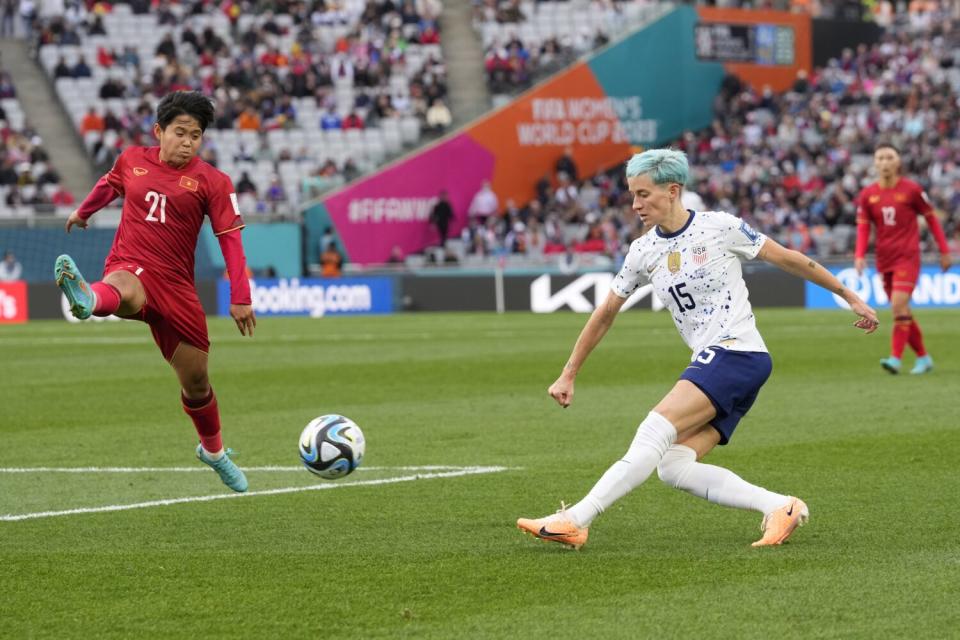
column 156, row 199
column 683, row 299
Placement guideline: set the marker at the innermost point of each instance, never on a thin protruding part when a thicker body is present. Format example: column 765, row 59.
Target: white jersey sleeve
column 632, row 274
column 738, row 237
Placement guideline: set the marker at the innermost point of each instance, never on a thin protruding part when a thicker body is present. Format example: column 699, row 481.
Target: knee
column 674, row 463
column 196, row 384
column 901, row 311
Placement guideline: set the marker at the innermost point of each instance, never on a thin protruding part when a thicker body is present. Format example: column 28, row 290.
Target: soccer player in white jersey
column 692, row 258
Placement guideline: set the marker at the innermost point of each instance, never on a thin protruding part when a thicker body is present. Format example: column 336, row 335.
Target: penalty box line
column 461, row 471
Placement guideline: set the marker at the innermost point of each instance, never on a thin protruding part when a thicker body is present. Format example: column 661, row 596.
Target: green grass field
column 875, row 457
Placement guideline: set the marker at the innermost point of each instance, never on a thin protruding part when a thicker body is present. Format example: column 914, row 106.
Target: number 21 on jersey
column 156, row 200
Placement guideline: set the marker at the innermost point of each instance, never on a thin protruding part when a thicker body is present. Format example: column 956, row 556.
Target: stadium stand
column 525, row 41
column 355, row 80
column 29, row 181
column 792, row 164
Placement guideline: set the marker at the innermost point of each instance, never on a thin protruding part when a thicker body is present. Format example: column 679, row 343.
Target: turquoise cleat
column 924, row 364
column 71, row 282
column 230, row 473
column 891, row 364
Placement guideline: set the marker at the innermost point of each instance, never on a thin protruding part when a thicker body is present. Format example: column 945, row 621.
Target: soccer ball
column 332, row 446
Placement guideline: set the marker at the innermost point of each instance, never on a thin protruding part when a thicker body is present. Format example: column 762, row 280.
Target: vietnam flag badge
column 189, row 183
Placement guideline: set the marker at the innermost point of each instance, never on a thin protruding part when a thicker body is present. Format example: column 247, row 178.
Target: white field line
column 461, row 471
column 203, row 469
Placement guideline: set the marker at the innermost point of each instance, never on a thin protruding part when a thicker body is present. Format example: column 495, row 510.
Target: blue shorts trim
column 732, row 380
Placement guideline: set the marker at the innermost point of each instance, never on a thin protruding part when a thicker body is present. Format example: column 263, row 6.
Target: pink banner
column 393, row 206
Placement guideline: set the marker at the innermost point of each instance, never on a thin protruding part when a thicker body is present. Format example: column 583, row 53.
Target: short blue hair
column 664, row 166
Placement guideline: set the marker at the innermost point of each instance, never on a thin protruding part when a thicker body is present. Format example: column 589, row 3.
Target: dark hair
column 886, row 145
column 189, row 103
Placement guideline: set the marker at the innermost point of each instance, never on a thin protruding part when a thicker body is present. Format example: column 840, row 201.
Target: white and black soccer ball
column 332, row 446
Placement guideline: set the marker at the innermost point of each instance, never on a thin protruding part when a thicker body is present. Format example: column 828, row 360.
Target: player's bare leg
column 683, row 409
column 131, row 291
column 680, row 468
column 200, row 403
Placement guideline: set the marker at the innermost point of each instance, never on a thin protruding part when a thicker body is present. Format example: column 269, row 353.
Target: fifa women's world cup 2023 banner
column 642, row 91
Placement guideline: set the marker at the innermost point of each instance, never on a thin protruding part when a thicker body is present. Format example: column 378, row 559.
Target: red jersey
column 163, row 210
column 894, row 213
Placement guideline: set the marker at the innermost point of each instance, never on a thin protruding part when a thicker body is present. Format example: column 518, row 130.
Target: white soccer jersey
column 696, row 273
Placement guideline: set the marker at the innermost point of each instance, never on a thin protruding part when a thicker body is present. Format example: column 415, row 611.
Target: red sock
column 108, row 299
column 916, row 339
column 206, row 419
column 901, row 333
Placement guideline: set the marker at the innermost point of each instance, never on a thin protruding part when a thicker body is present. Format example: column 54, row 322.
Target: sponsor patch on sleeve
column 748, row 231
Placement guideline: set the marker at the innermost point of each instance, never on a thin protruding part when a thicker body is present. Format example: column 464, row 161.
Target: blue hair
column 664, row 166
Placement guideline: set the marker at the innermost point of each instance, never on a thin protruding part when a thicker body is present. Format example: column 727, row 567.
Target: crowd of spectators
column 791, row 164
column 525, row 41
column 29, row 181
column 269, row 65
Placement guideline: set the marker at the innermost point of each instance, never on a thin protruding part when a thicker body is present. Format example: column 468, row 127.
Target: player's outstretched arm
column 807, row 268
column 600, row 321
column 241, row 309
column 100, row 196
column 936, row 229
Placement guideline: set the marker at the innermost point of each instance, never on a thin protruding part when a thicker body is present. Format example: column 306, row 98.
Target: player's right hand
column 75, row 219
column 562, row 391
column 860, row 264
column 245, row 318
column 868, row 320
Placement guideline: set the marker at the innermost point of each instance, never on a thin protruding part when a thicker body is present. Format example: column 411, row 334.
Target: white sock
column 213, row 456
column 679, row 469
column 654, row 436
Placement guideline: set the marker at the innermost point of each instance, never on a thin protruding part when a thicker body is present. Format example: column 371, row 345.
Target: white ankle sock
column 654, row 435
column 679, row 469
column 213, row 456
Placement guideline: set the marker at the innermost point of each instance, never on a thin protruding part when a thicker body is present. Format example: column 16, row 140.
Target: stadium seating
column 793, row 164
column 29, row 182
column 524, row 41
column 289, row 143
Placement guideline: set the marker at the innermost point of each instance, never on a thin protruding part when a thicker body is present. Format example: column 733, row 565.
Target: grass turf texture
column 872, row 454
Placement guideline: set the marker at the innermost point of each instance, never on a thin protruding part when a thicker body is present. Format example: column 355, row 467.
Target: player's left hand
column 945, row 261
column 868, row 317
column 246, row 320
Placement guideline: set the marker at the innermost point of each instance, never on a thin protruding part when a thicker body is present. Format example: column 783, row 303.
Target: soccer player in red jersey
column 892, row 205
column 148, row 275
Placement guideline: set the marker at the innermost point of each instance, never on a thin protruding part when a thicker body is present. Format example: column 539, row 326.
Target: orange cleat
column 556, row 528
column 778, row 525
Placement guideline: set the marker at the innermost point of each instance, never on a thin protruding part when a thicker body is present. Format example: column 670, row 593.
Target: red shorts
column 172, row 309
column 902, row 277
